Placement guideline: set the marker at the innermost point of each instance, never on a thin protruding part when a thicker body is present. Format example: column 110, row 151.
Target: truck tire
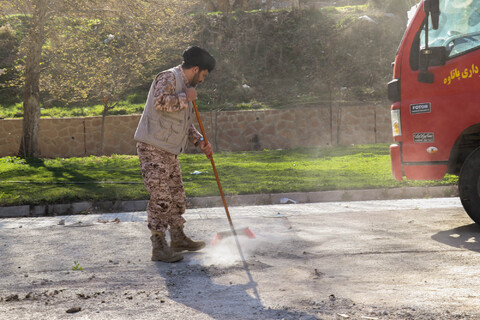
column 469, row 185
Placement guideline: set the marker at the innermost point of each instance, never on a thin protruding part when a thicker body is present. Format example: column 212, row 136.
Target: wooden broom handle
column 213, row 166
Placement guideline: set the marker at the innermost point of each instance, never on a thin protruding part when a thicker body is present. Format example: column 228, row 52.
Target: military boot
column 181, row 242
column 160, row 249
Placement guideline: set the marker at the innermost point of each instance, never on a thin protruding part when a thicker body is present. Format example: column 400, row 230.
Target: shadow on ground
column 465, row 237
column 223, row 290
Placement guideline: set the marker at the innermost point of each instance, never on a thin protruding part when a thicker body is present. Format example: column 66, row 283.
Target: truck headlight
column 396, row 124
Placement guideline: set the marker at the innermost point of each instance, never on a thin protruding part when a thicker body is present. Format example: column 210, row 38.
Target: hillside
column 284, row 59
column 328, row 52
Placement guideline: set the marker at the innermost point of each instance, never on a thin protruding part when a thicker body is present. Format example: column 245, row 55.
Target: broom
column 224, row 234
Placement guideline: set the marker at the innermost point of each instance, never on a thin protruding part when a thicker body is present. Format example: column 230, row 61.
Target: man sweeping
column 162, row 134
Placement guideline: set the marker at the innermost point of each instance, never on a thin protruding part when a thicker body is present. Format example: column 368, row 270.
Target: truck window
column 459, row 27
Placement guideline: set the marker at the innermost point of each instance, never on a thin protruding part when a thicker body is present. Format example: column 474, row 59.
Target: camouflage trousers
column 163, row 179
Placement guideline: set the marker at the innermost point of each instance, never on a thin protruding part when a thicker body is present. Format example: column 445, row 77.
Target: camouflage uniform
column 163, row 179
column 161, row 169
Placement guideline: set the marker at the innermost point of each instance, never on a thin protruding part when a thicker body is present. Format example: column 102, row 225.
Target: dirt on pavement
column 306, row 263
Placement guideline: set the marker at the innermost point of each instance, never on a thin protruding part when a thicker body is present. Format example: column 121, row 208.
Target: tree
column 295, row 5
column 31, row 96
column 395, row 6
column 225, row 6
column 9, row 40
column 41, row 11
column 95, row 65
column 99, row 60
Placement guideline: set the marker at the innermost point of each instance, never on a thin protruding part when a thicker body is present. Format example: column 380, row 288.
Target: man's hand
column 207, row 149
column 191, row 94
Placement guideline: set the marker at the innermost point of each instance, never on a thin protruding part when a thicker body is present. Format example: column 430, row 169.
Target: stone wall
column 227, row 131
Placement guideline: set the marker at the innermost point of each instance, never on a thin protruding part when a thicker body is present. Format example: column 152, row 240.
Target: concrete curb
column 238, row 200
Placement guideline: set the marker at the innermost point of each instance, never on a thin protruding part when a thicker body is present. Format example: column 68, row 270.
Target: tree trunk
column 330, row 90
column 224, row 5
column 31, row 97
column 269, row 5
column 295, row 5
column 102, row 130
column 106, row 108
column 210, row 5
column 240, row 5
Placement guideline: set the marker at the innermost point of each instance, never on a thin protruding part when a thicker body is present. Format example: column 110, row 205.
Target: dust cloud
column 225, row 252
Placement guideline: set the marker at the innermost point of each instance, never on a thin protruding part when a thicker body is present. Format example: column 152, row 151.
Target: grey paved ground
column 402, row 259
column 241, row 212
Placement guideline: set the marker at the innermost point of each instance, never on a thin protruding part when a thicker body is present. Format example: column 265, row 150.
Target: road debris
column 12, row 297
column 287, row 201
column 74, row 310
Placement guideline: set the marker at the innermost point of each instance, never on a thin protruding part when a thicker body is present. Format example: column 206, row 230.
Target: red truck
column 435, row 94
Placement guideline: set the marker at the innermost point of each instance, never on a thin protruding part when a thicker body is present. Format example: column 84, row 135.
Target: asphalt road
column 403, row 259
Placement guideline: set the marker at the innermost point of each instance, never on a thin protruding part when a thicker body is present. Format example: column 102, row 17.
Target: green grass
column 41, row 181
column 124, row 107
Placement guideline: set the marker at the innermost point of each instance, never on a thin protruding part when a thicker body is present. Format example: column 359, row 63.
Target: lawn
column 41, row 181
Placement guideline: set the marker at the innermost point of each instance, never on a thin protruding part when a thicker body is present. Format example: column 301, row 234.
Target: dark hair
column 198, row 57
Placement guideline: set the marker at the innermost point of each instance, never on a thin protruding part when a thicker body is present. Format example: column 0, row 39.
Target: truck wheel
column 469, row 185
